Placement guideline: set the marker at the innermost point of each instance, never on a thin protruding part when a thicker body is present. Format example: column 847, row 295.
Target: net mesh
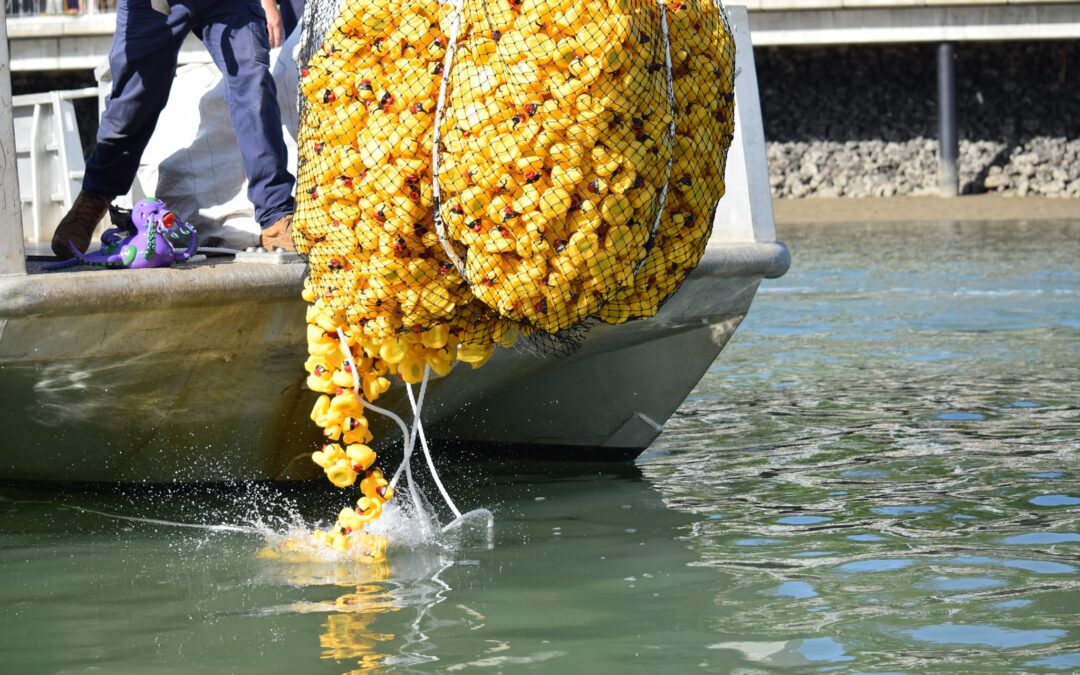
column 474, row 171
column 703, row 72
column 554, row 150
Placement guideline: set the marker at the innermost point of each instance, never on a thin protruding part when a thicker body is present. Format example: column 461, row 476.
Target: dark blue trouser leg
column 291, row 11
column 237, row 40
column 143, row 62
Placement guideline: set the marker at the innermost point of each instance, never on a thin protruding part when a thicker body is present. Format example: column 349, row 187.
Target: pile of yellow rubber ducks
column 580, row 151
column 558, row 142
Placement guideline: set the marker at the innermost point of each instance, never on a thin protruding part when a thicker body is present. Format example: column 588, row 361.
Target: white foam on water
column 400, row 528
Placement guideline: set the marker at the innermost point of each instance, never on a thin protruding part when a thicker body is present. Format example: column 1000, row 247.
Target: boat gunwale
column 228, row 283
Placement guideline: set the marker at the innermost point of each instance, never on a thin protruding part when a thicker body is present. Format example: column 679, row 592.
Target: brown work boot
column 77, row 227
column 278, row 235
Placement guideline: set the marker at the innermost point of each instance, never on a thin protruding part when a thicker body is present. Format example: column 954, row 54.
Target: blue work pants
column 143, row 60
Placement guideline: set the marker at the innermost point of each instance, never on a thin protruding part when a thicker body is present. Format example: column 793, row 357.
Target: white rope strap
column 423, row 444
column 343, row 344
column 409, row 435
column 440, row 111
column 669, row 71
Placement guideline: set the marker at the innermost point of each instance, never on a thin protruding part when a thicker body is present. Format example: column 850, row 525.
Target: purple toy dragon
column 144, row 240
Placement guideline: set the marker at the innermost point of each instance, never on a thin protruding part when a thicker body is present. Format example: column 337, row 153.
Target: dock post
column 12, row 257
column 948, row 142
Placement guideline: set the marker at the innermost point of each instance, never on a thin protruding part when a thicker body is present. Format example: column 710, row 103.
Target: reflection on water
column 899, row 476
column 406, row 579
column 366, row 592
column 878, row 475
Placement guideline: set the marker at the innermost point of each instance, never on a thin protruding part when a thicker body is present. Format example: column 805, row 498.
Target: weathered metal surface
column 11, row 246
column 745, row 213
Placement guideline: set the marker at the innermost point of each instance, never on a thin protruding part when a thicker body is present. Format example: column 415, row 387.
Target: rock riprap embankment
column 862, row 121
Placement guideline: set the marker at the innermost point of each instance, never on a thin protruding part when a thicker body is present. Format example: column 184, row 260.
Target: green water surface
column 879, row 475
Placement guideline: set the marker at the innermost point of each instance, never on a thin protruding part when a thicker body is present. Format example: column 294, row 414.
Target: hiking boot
column 278, row 235
column 77, row 227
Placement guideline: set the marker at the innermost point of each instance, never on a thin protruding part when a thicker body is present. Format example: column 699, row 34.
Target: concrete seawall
column 860, row 121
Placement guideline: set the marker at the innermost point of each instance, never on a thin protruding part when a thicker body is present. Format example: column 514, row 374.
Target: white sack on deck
column 193, row 160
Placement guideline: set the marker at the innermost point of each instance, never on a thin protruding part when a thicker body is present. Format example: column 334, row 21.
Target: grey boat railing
column 50, row 157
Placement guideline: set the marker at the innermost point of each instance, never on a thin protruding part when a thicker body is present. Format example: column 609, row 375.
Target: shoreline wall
column 861, row 121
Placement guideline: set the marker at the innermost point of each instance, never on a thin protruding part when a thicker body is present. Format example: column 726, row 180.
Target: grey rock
column 861, row 121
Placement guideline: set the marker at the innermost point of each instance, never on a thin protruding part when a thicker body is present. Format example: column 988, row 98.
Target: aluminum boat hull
column 195, row 374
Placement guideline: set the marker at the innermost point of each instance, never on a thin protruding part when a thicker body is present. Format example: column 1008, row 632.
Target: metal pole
column 948, row 142
column 12, row 256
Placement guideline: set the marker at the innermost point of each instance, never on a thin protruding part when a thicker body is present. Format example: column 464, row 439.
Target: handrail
column 50, row 96
column 35, row 172
column 12, row 256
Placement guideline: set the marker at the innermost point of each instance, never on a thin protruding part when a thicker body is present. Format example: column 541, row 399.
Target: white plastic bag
column 193, row 160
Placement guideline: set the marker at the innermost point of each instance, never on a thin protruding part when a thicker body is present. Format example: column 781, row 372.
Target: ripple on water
column 863, row 473
column 758, row 542
column 876, row 565
column 987, row 635
column 1055, row 500
column 923, row 450
column 1041, row 538
column 1012, row 604
column 866, row 537
column 1036, row 566
column 795, row 589
column 907, row 510
column 960, row 416
column 1057, row 661
column 803, row 520
column 823, row 649
column 965, row 584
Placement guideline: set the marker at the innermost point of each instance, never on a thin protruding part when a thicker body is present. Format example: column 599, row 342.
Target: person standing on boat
column 238, row 34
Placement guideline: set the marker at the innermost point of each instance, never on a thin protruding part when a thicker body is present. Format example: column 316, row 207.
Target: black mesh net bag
column 703, row 72
column 554, row 148
column 473, row 171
